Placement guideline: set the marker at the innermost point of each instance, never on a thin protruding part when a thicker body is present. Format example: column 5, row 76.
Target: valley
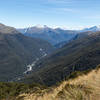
column 35, row 68
column 17, row 51
column 49, row 49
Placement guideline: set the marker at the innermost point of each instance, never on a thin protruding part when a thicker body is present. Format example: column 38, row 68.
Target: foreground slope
column 80, row 54
column 16, row 51
column 83, row 87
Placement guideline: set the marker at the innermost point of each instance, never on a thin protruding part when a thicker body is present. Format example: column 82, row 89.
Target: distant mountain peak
column 98, row 26
column 1, row 24
column 93, row 29
column 41, row 26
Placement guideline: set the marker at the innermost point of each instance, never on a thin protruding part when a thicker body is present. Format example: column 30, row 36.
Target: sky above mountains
column 72, row 14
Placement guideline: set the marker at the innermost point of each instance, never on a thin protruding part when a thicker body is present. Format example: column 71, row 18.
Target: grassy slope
column 84, row 87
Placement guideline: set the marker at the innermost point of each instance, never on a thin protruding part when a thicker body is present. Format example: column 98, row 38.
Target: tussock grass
column 74, row 92
column 83, row 87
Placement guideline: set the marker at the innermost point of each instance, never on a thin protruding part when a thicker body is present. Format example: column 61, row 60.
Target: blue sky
column 71, row 14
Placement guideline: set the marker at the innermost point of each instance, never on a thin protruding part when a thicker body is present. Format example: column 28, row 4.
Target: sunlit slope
column 83, row 87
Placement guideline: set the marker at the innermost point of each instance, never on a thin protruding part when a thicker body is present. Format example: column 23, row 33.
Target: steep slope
column 80, row 54
column 83, row 87
column 54, row 36
column 16, row 51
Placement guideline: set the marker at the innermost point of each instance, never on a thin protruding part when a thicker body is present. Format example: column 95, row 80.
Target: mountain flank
column 81, row 54
column 17, row 51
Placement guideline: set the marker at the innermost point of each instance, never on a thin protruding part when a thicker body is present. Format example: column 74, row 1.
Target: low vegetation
column 84, row 86
column 10, row 91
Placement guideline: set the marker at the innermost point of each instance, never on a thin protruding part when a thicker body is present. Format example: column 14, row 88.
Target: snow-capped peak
column 41, row 26
column 98, row 26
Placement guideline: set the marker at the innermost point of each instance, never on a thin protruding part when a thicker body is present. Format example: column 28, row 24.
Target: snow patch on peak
column 98, row 27
column 41, row 26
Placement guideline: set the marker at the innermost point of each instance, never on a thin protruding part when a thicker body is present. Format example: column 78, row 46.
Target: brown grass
column 85, row 87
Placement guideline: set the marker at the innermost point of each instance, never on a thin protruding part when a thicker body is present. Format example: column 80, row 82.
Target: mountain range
column 93, row 29
column 25, row 53
column 53, row 36
column 31, row 63
column 56, row 36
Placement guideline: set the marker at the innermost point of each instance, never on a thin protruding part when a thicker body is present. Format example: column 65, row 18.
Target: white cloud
column 92, row 17
column 59, row 10
column 59, row 1
column 67, row 10
column 58, row 6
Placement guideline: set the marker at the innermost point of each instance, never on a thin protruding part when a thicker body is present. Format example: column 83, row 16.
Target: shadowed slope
column 16, row 51
column 80, row 54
